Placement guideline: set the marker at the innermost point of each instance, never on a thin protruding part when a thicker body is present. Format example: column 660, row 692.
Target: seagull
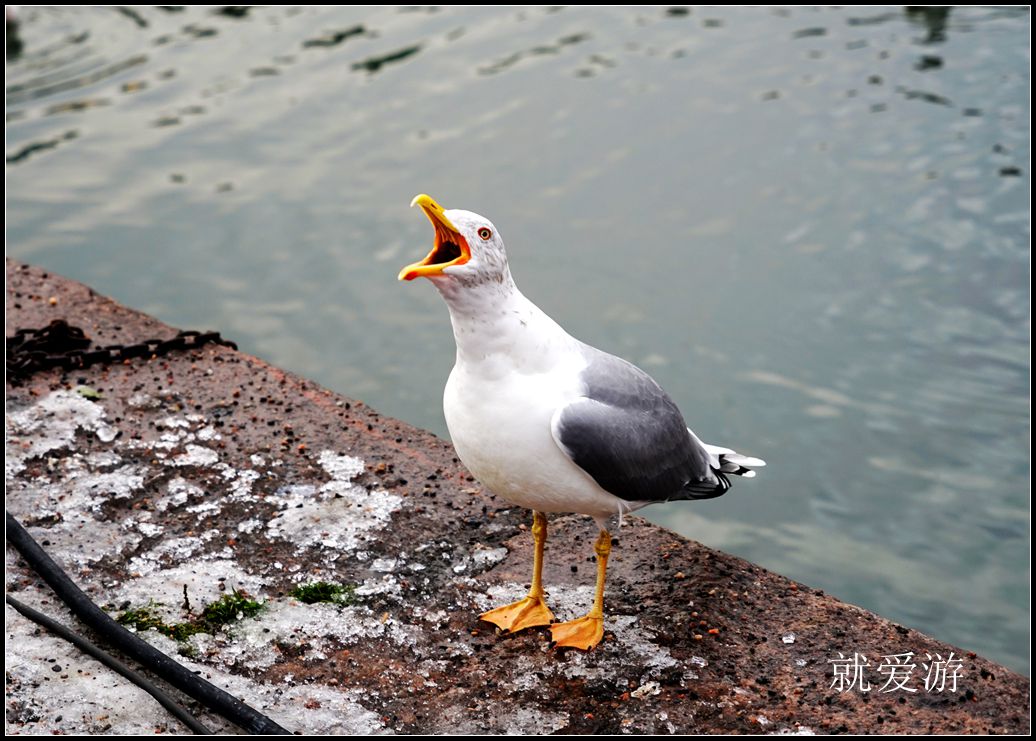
column 550, row 423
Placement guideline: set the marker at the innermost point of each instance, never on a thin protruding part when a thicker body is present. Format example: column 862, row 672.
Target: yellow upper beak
column 450, row 246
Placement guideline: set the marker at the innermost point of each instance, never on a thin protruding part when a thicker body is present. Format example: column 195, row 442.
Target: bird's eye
column 485, row 233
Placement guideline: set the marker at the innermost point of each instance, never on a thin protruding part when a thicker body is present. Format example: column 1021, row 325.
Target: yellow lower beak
column 450, row 246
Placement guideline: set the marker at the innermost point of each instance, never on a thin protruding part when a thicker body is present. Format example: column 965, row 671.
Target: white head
column 468, row 250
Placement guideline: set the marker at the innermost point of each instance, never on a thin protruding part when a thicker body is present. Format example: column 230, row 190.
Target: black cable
column 111, row 662
column 165, row 667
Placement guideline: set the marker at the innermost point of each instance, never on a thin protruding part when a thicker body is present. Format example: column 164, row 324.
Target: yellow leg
column 532, row 610
column 587, row 631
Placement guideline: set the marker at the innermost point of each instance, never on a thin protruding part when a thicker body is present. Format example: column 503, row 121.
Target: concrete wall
column 214, row 471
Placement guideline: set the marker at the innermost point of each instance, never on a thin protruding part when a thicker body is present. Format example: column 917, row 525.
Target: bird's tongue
column 446, row 248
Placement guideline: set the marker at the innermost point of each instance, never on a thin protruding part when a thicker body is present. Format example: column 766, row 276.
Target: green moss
column 227, row 609
column 325, row 591
column 142, row 618
column 147, row 618
column 183, row 631
column 230, row 608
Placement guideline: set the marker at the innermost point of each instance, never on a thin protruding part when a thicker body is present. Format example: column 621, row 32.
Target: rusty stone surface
column 211, row 470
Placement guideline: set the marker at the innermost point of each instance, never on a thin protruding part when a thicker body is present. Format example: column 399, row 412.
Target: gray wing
column 630, row 437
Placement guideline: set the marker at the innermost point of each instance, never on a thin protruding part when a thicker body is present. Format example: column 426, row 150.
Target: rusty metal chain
column 61, row 345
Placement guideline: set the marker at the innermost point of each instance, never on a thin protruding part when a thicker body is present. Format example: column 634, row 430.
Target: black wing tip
column 707, row 489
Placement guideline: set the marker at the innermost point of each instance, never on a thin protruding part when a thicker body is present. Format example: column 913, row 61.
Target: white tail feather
column 729, row 461
column 745, row 460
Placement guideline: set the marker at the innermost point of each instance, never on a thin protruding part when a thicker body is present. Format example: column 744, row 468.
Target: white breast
column 499, row 420
column 515, row 368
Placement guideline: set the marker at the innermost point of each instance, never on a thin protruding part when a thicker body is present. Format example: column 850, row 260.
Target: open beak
column 450, row 247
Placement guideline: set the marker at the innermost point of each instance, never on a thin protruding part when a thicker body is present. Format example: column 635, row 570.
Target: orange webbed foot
column 525, row 613
column 583, row 633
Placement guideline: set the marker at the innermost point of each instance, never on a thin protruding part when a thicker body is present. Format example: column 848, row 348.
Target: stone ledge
column 211, row 470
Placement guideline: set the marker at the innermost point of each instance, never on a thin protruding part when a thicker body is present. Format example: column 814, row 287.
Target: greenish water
column 811, row 226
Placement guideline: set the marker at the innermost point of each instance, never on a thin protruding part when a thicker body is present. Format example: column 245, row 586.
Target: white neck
column 494, row 324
